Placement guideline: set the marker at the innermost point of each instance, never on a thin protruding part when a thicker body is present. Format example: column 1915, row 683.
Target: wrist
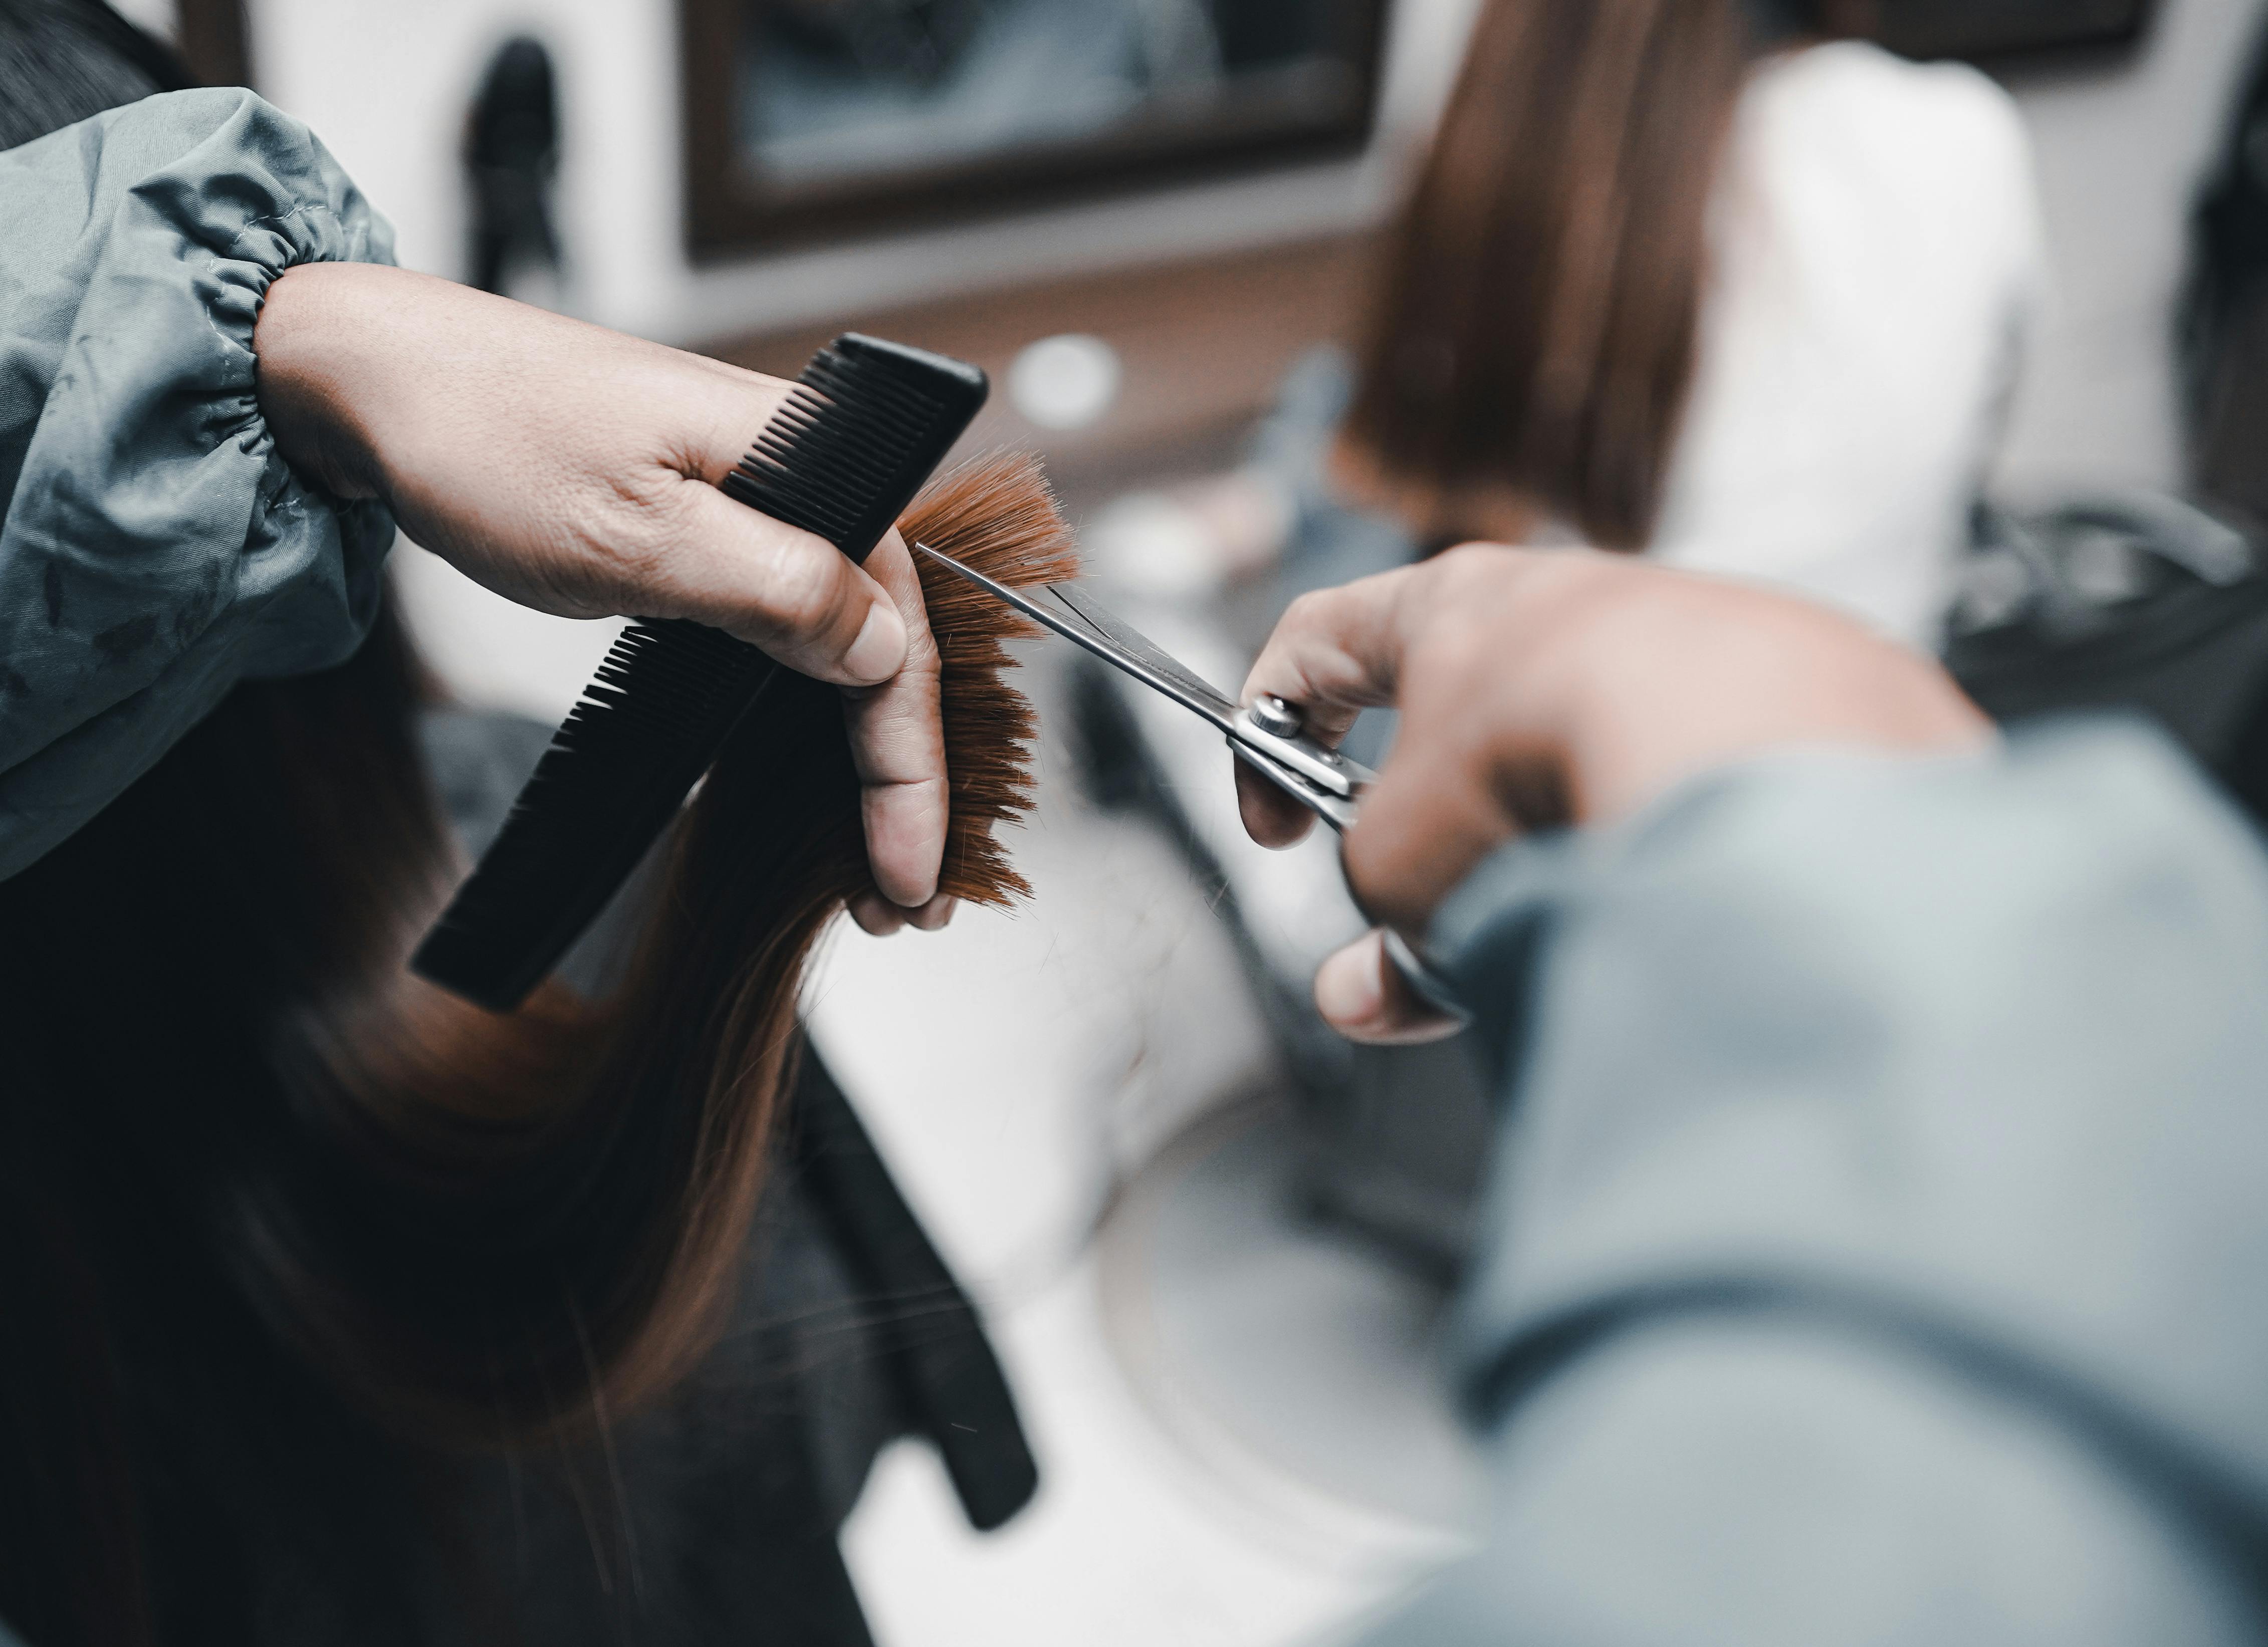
column 316, row 344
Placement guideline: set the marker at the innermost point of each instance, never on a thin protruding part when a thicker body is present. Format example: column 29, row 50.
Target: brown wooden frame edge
column 723, row 221
column 216, row 40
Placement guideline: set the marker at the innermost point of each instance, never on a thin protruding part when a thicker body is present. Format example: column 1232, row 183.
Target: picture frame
column 733, row 207
column 216, row 40
column 1997, row 31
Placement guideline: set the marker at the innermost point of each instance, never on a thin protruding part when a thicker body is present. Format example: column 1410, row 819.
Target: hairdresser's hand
column 574, row 470
column 1546, row 687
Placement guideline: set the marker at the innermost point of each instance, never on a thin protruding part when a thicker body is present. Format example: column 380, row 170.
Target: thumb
column 787, row 591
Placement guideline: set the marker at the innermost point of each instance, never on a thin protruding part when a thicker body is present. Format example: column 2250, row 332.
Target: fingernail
column 880, row 646
column 1348, row 988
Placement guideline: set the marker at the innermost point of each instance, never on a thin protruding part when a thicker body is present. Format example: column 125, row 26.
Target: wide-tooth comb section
column 648, row 724
column 841, row 457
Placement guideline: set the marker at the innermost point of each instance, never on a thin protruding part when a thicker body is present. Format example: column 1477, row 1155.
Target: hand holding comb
column 844, row 454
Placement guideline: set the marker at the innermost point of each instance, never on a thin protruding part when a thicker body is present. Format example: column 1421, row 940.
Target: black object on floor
column 2138, row 601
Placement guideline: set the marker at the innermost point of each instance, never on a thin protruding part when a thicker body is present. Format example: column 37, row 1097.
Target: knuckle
column 1311, row 612
column 1463, row 559
column 1473, row 572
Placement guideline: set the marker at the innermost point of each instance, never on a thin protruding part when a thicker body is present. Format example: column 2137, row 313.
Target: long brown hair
column 249, row 1164
column 1532, row 341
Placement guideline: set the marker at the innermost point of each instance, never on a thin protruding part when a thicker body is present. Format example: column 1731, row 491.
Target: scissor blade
column 1136, row 644
column 1077, row 629
column 1321, row 769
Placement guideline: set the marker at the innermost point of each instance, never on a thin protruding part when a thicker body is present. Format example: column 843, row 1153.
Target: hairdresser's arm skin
column 573, row 469
column 1538, row 689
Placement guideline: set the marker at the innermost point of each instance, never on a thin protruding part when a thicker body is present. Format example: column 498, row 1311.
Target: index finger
column 897, row 745
column 1334, row 653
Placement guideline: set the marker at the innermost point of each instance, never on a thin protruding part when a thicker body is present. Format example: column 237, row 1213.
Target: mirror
column 813, row 117
column 2000, row 28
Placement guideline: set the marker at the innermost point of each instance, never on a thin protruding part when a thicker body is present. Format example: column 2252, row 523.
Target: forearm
column 1767, row 1481
column 1940, row 1079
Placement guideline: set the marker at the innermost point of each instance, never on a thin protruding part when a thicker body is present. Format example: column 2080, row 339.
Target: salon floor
column 1241, row 1439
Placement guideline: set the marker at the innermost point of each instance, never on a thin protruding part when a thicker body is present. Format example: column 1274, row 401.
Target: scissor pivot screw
column 1271, row 715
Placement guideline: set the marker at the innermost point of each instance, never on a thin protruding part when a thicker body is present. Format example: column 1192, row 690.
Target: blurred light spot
column 1064, row 382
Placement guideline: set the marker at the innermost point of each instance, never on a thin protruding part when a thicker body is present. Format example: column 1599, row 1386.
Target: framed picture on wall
column 1998, row 29
column 214, row 37
column 810, row 119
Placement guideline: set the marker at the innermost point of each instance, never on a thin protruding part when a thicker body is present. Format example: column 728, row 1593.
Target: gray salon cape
column 1877, row 1249
column 155, row 550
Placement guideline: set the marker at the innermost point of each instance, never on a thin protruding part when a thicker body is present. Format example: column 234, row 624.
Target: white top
column 1877, row 254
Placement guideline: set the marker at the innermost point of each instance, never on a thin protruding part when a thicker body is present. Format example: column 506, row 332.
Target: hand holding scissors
column 1536, row 688
column 1266, row 736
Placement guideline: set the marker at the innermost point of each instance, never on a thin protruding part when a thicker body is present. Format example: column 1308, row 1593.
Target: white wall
column 388, row 81
column 159, row 17
column 2119, row 158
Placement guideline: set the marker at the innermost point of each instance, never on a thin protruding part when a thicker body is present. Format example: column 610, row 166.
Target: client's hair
column 62, row 61
column 233, row 1119
column 1532, row 341
column 286, row 1234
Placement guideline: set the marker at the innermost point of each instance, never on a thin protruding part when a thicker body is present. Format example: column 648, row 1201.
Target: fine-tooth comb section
column 815, row 463
column 842, row 458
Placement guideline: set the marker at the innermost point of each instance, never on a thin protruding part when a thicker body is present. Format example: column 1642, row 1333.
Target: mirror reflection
column 835, row 91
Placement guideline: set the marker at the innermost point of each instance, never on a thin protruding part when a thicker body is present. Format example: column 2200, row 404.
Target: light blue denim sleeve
column 155, row 548
column 1876, row 1242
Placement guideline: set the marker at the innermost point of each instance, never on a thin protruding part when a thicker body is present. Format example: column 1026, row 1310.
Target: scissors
column 1268, row 736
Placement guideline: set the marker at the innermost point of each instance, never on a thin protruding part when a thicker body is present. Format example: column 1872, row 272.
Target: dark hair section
column 253, row 1173
column 529, row 1220
column 1532, row 342
column 281, row 1228
column 62, row 61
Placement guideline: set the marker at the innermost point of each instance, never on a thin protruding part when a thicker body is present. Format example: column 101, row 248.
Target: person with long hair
column 1717, row 283
column 1715, row 280
column 338, row 1309
column 1697, row 279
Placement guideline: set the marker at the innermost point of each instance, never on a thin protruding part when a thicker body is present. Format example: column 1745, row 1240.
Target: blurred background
column 1211, row 1242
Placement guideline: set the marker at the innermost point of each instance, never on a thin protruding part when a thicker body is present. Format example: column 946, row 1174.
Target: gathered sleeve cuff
column 156, row 549
column 1874, row 1244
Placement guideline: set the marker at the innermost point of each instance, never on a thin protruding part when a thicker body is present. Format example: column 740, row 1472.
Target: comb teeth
column 855, row 439
column 647, row 727
column 842, row 458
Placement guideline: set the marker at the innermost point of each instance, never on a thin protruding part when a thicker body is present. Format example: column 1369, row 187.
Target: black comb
column 842, row 457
